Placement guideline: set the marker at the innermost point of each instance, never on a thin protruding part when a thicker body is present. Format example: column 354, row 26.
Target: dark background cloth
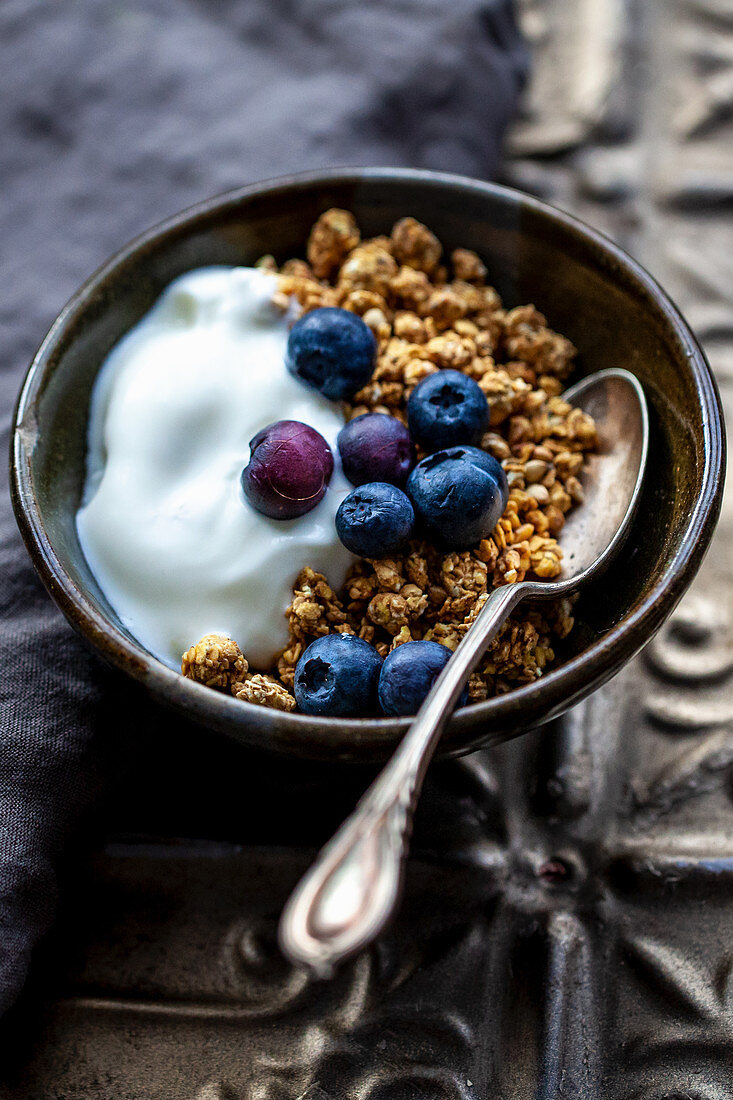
column 113, row 115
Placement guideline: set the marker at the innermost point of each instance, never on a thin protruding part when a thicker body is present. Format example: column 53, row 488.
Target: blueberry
column 338, row 677
column 376, row 447
column 408, row 674
column 458, row 496
column 290, row 466
column 333, row 351
column 375, row 520
column 445, row 409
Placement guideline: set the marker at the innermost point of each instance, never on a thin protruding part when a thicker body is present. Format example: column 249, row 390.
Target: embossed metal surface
column 568, row 925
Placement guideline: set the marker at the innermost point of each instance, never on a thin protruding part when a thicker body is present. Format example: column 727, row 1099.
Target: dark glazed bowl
column 589, row 289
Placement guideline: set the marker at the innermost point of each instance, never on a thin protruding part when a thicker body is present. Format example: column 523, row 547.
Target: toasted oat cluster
column 216, row 661
column 266, row 691
column 430, row 312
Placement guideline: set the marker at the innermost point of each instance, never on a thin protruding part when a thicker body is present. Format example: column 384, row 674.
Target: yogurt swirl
column 174, row 546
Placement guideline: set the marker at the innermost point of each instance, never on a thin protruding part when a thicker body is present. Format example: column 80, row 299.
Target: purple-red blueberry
column 376, row 447
column 289, row 469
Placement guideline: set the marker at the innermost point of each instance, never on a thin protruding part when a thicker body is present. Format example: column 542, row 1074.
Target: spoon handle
column 350, row 892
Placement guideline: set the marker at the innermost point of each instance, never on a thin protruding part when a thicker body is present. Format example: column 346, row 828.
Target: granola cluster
column 217, row 662
column 428, row 314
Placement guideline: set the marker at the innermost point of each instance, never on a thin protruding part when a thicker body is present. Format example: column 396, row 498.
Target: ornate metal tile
column 567, row 932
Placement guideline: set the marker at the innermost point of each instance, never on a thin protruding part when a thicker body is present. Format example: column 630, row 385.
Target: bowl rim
column 472, row 726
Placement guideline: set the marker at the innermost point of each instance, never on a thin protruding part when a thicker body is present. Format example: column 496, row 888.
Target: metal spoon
column 344, row 901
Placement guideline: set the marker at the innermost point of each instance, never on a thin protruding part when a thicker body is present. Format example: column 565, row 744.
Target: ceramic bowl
column 589, row 289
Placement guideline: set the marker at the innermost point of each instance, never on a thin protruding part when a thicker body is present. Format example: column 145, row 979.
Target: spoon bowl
column 612, row 476
column 347, row 897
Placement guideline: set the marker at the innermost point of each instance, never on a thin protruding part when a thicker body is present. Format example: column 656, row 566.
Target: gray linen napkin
column 114, row 114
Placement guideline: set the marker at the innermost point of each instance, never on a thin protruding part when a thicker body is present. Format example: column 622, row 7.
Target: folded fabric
column 125, row 112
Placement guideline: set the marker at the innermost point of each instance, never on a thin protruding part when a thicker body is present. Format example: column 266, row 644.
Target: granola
column 216, row 661
column 428, row 315
column 265, row 691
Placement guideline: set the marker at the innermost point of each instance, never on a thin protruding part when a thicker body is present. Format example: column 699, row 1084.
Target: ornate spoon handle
column 350, row 892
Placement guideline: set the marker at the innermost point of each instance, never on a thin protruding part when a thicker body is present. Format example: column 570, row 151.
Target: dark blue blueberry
column 408, row 674
column 376, row 447
column 333, row 351
column 375, row 520
column 445, row 409
column 338, row 677
column 458, row 496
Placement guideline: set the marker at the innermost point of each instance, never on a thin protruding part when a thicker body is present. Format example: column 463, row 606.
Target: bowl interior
column 588, row 291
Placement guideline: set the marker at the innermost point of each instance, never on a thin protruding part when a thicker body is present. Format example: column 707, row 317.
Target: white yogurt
column 164, row 525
